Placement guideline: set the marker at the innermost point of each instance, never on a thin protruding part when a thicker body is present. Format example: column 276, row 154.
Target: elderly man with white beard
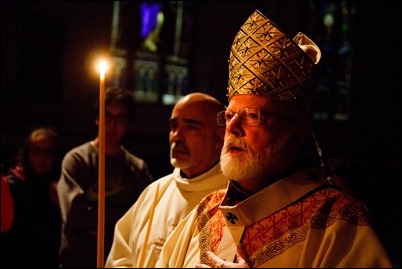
column 281, row 208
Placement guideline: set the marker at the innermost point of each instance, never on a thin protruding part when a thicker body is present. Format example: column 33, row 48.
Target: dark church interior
column 48, row 78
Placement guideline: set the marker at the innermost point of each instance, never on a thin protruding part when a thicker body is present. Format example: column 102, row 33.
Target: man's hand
column 241, row 260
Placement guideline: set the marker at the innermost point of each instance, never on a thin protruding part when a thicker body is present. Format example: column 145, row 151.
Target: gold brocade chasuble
column 236, row 218
column 298, row 221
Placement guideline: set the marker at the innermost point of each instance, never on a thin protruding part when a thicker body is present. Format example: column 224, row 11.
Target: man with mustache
column 281, row 208
column 195, row 145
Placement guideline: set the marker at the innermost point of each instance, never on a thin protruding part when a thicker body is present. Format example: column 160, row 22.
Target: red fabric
column 7, row 206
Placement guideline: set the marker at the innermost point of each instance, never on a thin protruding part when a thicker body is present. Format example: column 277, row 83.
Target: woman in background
column 34, row 237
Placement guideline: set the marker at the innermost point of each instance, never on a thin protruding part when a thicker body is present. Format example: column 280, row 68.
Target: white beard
column 249, row 165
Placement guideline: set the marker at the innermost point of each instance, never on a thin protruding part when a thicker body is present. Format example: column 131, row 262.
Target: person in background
column 281, row 207
column 126, row 175
column 195, row 144
column 36, row 222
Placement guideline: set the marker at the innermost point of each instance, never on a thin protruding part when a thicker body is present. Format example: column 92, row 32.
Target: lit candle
column 101, row 177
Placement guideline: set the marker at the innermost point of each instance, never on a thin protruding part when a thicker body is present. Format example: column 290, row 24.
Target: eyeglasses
column 248, row 116
column 118, row 118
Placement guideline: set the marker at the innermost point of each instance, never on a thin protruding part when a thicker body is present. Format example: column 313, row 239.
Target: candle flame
column 102, row 67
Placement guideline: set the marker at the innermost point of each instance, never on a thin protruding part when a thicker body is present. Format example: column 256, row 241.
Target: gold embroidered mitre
column 264, row 61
